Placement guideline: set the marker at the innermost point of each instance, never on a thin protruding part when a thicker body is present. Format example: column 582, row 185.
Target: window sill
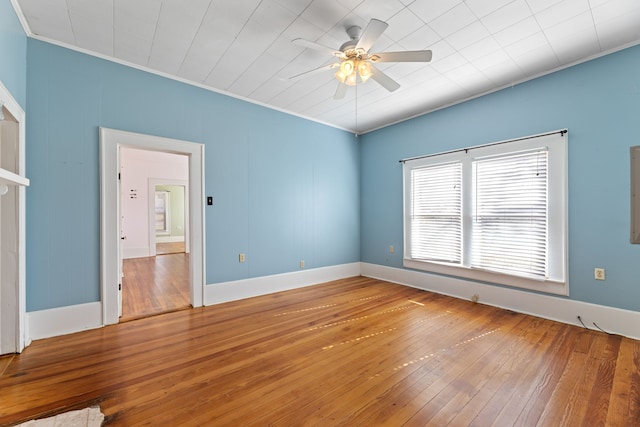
column 548, row 286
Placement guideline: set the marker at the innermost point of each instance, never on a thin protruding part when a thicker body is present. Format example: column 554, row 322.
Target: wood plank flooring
column 354, row 352
column 154, row 285
column 170, row 248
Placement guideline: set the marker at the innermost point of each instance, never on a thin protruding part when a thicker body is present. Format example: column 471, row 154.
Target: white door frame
column 152, row 230
column 14, row 334
column 110, row 141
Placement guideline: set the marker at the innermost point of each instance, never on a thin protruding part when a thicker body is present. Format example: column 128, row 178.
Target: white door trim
column 14, row 335
column 152, row 231
column 110, row 140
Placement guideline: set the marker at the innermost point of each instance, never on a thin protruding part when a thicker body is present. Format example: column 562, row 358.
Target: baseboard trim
column 613, row 320
column 64, row 320
column 239, row 289
column 169, row 239
column 129, row 253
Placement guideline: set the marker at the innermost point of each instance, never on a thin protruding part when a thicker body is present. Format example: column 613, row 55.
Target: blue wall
column 13, row 54
column 285, row 188
column 598, row 101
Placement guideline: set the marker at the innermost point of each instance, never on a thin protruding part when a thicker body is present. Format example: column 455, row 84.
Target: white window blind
column 510, row 214
column 495, row 213
column 436, row 213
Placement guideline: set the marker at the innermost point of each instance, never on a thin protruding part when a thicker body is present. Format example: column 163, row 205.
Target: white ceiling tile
column 483, row 7
column 468, row 35
column 453, row 20
column 562, row 11
column 50, row 19
column 452, row 61
column 402, row 24
column 229, row 16
column 131, row 48
column 504, row 73
column 206, row 51
column 523, row 46
column 423, row 38
column 266, row 92
column 481, row 48
column 273, row 17
column 302, row 29
column 176, row 29
column 470, row 78
column 324, row 13
column 516, row 32
column 295, row 6
column 92, row 35
column 537, row 61
column 618, row 31
column 577, row 28
column 136, row 18
column 495, row 59
column 101, row 11
column 537, row 6
column 507, row 16
column 378, row 9
column 430, row 10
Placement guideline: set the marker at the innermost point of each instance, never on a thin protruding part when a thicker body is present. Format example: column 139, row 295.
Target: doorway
column 154, row 213
column 111, row 143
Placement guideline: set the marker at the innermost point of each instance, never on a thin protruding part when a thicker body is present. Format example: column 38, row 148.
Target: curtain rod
column 562, row 132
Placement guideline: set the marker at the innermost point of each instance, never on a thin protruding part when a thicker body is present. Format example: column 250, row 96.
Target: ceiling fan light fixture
column 364, row 69
column 346, row 69
column 352, row 79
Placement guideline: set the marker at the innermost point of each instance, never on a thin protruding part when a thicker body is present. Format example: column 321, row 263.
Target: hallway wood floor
column 154, row 285
column 354, row 352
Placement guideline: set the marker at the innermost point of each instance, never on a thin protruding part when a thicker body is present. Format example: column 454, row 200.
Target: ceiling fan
column 355, row 61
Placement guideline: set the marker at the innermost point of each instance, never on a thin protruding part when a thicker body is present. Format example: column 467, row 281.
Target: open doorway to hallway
column 154, row 229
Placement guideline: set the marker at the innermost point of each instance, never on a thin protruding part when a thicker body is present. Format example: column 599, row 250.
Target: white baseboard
column 613, row 320
column 128, row 253
column 75, row 318
column 239, row 289
column 169, row 239
column 64, row 320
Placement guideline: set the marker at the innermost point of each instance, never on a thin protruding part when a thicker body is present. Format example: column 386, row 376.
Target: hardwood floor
column 170, row 248
column 354, row 352
column 154, row 285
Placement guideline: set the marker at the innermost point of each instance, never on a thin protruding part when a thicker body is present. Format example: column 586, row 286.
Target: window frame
column 557, row 145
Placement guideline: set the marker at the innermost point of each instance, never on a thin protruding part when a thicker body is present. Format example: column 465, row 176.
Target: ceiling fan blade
column 341, row 91
column 385, row 81
column 317, row 46
column 406, row 56
column 314, row 71
column 370, row 34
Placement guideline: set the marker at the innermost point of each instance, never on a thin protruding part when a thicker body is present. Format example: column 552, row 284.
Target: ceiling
column 243, row 47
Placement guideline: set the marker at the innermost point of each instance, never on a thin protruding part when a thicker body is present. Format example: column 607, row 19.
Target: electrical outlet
column 241, row 258
column 598, row 273
column 392, row 249
column 301, row 263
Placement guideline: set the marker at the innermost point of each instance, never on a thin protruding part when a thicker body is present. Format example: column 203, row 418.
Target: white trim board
column 169, row 239
column 54, row 322
column 613, row 320
column 239, row 289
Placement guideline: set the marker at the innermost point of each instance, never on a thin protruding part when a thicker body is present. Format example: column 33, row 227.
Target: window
column 495, row 213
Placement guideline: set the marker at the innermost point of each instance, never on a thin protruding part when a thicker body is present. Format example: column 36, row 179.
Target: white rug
column 88, row 417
